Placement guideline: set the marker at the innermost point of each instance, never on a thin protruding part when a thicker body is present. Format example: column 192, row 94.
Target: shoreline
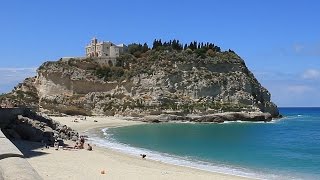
column 119, row 165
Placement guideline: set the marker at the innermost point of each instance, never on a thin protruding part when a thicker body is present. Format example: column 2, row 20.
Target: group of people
column 81, row 118
column 80, row 144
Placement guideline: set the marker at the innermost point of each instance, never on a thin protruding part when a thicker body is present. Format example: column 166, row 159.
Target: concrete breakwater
column 13, row 165
column 25, row 124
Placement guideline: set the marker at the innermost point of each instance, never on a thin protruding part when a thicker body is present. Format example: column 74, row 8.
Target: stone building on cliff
column 105, row 53
column 104, row 49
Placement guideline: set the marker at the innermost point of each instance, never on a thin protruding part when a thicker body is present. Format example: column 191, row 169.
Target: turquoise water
column 284, row 149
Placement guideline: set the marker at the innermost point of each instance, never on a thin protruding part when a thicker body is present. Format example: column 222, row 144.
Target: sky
column 279, row 40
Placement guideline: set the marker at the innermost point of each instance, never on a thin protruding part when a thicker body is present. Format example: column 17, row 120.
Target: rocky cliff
column 155, row 82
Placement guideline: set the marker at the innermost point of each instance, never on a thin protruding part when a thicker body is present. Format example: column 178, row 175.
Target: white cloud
column 306, row 49
column 299, row 89
column 273, row 75
column 293, row 92
column 298, row 48
column 311, row 74
column 12, row 76
column 18, row 69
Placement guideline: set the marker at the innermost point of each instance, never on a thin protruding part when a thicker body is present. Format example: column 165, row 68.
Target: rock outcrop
column 22, row 123
column 153, row 84
column 215, row 118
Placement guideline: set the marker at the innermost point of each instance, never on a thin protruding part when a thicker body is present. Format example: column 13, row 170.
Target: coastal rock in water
column 214, row 118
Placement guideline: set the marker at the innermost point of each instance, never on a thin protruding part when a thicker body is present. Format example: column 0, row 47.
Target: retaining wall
column 13, row 165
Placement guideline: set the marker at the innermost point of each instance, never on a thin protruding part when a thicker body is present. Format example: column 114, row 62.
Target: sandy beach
column 83, row 164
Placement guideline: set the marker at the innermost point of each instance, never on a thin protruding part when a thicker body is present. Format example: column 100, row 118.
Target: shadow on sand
column 29, row 149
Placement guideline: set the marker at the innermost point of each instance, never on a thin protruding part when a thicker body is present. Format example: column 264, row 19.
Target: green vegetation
column 198, row 48
column 137, row 49
column 69, row 110
column 110, row 73
column 202, row 49
column 2, row 95
column 170, row 45
column 142, row 59
column 73, row 111
column 87, row 64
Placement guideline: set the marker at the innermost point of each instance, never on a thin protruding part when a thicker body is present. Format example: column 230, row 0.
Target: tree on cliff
column 137, row 49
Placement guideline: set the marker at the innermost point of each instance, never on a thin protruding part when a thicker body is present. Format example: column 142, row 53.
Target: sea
column 286, row 148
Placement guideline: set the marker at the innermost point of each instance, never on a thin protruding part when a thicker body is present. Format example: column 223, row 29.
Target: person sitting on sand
column 76, row 146
column 81, row 145
column 81, row 139
column 143, row 156
column 89, row 147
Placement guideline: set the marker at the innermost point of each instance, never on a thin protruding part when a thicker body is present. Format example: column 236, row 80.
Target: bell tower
column 94, row 43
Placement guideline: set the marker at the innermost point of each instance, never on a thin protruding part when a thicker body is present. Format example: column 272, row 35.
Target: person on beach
column 56, row 145
column 143, row 156
column 44, row 144
column 89, row 147
column 81, row 139
column 81, row 146
column 76, row 146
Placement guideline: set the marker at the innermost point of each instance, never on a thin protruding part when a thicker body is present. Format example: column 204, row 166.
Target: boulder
column 32, row 126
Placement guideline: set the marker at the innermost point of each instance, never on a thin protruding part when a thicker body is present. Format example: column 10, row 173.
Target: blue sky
column 279, row 40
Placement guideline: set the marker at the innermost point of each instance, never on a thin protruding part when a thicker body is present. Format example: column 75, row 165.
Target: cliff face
column 157, row 82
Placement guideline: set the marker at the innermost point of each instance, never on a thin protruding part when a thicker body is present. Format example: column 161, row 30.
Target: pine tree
column 145, row 47
column 195, row 45
column 155, row 44
column 191, row 46
column 185, row 47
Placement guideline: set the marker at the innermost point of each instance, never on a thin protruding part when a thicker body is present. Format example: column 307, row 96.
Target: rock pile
column 35, row 127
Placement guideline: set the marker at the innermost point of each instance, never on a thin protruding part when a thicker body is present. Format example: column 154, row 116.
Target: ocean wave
column 106, row 141
column 300, row 117
column 249, row 122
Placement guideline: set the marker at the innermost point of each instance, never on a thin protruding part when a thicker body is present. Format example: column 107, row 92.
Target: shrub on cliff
column 137, row 49
column 73, row 111
column 110, row 73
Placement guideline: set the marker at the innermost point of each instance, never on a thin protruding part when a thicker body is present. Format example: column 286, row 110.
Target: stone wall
column 13, row 165
column 105, row 61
